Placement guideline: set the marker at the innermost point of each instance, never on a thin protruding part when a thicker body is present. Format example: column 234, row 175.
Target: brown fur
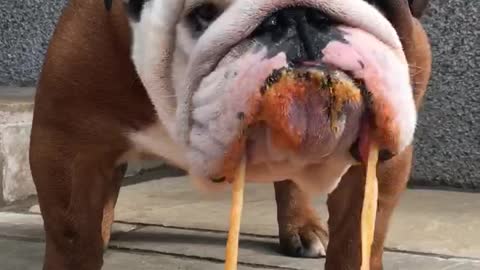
column 89, row 94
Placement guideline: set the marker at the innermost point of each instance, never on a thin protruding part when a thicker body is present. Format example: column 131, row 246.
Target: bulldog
column 182, row 80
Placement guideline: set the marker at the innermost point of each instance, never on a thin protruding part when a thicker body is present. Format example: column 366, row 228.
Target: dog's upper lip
column 242, row 18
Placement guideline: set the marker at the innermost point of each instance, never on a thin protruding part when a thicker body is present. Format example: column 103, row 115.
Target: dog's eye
column 201, row 17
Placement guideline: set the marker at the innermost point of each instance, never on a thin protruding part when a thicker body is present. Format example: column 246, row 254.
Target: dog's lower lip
column 329, row 69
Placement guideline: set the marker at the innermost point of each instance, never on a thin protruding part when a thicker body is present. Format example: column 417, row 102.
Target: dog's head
column 204, row 64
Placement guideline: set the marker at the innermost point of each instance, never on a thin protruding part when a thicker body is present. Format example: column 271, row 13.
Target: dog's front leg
column 90, row 183
column 301, row 232
column 77, row 195
column 345, row 206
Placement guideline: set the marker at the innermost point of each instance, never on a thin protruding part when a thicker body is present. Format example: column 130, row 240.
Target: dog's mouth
column 307, row 113
column 307, row 95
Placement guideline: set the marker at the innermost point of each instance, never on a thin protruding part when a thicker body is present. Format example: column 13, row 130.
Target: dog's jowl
column 182, row 80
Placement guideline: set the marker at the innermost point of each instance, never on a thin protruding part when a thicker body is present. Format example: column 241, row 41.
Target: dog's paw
column 308, row 240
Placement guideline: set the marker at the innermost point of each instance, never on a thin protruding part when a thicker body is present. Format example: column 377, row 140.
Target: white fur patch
column 154, row 43
column 155, row 141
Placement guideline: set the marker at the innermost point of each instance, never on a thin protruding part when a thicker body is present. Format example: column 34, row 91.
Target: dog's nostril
column 318, row 19
column 292, row 17
column 270, row 24
column 300, row 32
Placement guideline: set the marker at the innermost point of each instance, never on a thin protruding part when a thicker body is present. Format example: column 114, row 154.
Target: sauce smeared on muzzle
column 288, row 91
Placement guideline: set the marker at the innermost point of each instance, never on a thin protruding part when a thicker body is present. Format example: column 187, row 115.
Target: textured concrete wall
column 25, row 27
column 448, row 146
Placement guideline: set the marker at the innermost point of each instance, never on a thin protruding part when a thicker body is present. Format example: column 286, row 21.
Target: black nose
column 300, row 32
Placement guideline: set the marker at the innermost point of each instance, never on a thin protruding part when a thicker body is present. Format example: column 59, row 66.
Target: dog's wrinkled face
column 204, row 63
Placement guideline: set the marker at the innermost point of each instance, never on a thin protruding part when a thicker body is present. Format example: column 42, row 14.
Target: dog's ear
column 418, row 7
column 108, row 4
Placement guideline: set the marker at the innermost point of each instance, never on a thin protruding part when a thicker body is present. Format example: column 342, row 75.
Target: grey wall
column 25, row 27
column 448, row 145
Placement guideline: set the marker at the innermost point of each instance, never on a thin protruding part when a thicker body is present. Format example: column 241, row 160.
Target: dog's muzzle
column 299, row 38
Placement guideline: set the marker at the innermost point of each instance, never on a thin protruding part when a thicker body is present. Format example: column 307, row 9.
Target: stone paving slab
column 16, row 254
column 131, row 261
column 175, row 202
column 24, row 255
column 426, row 221
column 155, row 247
column 30, row 226
column 261, row 251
